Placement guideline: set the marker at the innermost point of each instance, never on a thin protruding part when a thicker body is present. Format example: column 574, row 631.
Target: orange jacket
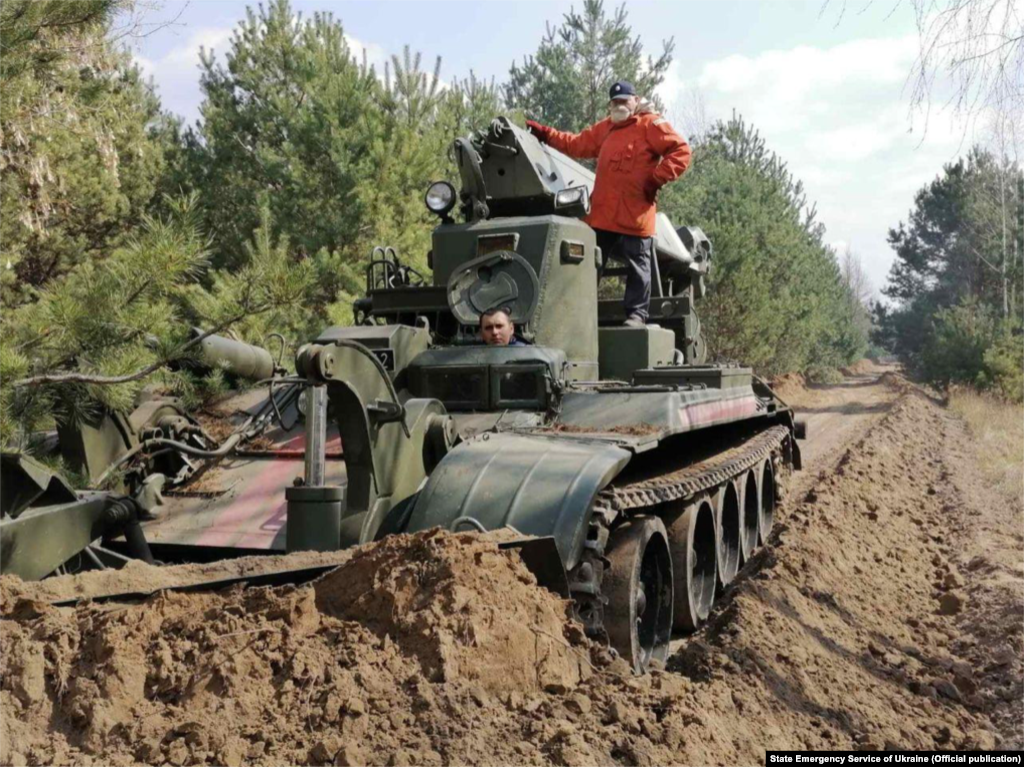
column 644, row 148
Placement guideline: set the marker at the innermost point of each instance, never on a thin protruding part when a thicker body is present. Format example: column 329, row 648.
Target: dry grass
column 998, row 429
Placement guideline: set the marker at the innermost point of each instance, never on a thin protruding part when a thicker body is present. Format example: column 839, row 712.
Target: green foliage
column 130, row 314
column 565, row 83
column 341, row 156
column 776, row 297
column 823, row 374
column 80, row 154
column 469, row 106
column 27, row 42
column 875, row 352
column 952, row 247
column 286, row 123
column 969, row 344
column 263, row 294
column 305, row 159
column 1004, row 364
column 955, row 349
column 956, row 278
column 102, row 319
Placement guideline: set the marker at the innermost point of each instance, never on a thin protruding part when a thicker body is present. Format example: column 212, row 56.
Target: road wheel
column 748, row 537
column 729, row 524
column 638, row 585
column 767, row 497
column 694, row 564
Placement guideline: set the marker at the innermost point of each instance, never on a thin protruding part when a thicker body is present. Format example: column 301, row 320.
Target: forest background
column 121, row 228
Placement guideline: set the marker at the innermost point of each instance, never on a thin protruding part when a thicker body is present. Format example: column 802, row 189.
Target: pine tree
column 95, row 338
column 339, row 152
column 470, row 105
column 283, row 121
column 27, row 40
column 776, row 297
column 406, row 152
column 956, row 277
column 565, row 83
column 80, row 155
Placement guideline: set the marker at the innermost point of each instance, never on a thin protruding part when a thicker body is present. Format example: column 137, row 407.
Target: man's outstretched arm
column 582, row 145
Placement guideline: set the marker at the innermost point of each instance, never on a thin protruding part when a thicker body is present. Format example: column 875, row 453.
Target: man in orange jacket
column 637, row 153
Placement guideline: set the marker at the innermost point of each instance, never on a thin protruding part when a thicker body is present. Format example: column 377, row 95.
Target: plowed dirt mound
column 896, row 382
column 789, row 386
column 444, row 624
column 879, row 617
column 463, row 609
column 860, row 368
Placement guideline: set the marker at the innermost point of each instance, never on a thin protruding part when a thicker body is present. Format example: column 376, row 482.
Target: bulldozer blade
column 540, row 555
column 278, row 578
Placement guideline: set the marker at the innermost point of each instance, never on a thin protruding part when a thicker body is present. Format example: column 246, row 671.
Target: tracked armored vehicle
column 652, row 475
column 637, row 477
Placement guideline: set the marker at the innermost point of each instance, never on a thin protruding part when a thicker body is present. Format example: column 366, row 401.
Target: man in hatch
column 637, row 153
column 497, row 329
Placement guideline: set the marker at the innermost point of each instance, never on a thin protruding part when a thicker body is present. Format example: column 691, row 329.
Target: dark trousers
column 635, row 253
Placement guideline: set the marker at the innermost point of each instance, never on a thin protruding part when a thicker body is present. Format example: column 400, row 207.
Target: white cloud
column 789, row 74
column 840, row 118
column 375, row 54
column 176, row 73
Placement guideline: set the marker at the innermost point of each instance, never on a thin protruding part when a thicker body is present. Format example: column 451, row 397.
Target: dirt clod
column 946, row 688
column 953, row 580
column 951, row 603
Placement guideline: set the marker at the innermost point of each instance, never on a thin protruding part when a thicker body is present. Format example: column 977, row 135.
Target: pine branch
column 86, row 378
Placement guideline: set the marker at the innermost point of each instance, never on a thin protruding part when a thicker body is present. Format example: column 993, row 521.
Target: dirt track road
column 888, row 611
column 837, row 416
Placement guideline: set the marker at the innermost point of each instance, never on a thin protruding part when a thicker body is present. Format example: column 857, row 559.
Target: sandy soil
column 886, row 613
column 987, row 570
column 837, row 414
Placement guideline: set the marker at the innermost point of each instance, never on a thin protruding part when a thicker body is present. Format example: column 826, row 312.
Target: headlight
column 440, row 197
column 576, row 195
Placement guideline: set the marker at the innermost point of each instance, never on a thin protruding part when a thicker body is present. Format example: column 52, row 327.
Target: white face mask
column 618, row 113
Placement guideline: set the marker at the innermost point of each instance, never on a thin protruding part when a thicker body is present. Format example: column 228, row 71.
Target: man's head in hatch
column 496, row 328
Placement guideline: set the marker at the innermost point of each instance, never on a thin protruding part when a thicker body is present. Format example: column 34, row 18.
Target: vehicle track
column 701, row 490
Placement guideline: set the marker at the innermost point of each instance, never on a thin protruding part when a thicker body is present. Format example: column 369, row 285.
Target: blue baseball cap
column 621, row 90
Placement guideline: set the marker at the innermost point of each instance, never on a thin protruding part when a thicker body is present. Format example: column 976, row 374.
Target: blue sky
column 824, row 82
